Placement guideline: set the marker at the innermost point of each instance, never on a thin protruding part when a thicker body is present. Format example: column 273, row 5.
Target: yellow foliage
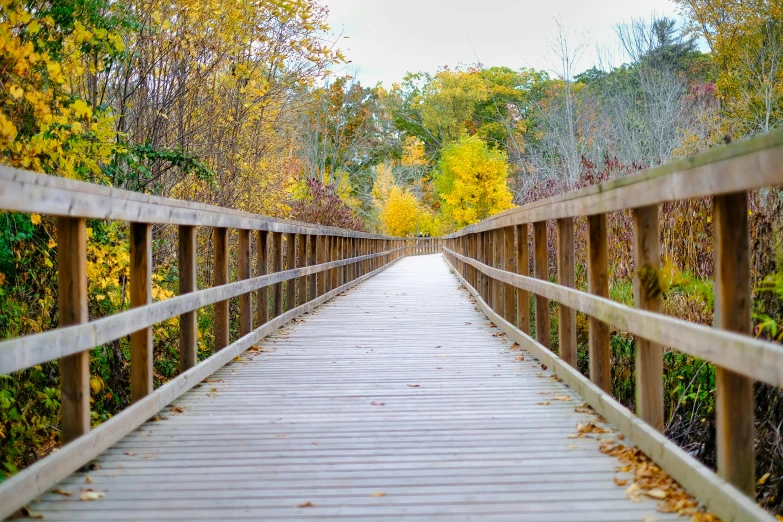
column 472, row 181
column 400, row 213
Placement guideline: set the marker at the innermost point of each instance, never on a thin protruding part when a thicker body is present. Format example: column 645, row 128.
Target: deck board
column 396, row 401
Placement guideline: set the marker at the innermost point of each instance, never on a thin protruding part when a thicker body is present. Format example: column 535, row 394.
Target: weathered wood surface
column 396, row 401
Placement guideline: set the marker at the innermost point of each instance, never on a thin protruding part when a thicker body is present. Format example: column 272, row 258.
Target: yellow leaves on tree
column 472, row 181
column 400, row 213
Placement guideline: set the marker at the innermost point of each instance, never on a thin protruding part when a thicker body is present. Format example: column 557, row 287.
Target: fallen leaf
column 634, row 492
column 545, row 403
column 543, row 366
column 657, row 494
column 62, row 492
column 306, row 505
column 130, row 453
column 438, row 346
column 763, row 479
column 379, row 494
column 414, row 386
column 213, row 390
column 378, row 403
column 571, row 446
column 316, row 443
column 88, row 479
column 177, row 409
column 520, row 358
column 620, row 482
column 562, row 398
column 91, row 495
column 281, row 435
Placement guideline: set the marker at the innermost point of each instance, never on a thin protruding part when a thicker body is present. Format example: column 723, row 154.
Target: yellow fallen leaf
column 379, row 494
column 571, row 446
column 620, row 482
column 88, row 479
column 35, row 218
column 562, row 398
column 763, row 479
column 91, row 495
column 62, row 492
column 657, row 494
column 307, row 504
column 545, row 403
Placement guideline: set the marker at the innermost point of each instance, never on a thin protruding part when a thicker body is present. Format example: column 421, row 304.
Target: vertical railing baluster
column 523, row 268
column 647, row 294
column 276, row 253
column 335, row 256
column 734, row 392
column 541, row 270
column 140, row 295
column 72, row 302
column 565, row 276
column 497, row 262
column 299, row 262
column 290, row 254
column 509, row 255
column 321, row 257
column 598, row 284
column 310, row 246
column 245, row 301
column 188, row 325
column 262, row 294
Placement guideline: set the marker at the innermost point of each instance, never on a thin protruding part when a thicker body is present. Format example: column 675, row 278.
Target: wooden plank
column 288, row 264
column 220, row 277
column 475, row 480
column 276, row 254
column 188, row 325
column 310, row 261
column 598, row 284
column 734, row 393
column 647, row 296
column 565, row 276
column 72, row 301
column 299, row 261
column 725, row 501
column 509, row 265
column 45, row 473
column 262, row 294
column 541, row 270
column 746, row 355
column 243, row 266
column 140, row 295
column 523, row 268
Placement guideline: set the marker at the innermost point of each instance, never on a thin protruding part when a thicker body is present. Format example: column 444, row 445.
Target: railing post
column 290, row 254
column 310, row 243
column 497, row 262
column 245, row 306
column 300, row 262
column 647, row 293
column 734, row 392
column 523, row 268
column 220, row 276
column 598, row 284
column 509, row 266
column 188, row 326
column 72, row 301
column 276, row 253
column 541, row 268
column 487, row 252
column 262, row 295
column 335, row 255
column 321, row 257
column 565, row 277
column 140, row 295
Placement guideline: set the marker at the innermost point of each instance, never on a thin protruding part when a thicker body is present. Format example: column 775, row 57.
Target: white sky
column 388, row 38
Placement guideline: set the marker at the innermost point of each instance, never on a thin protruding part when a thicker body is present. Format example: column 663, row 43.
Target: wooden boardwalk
column 396, row 401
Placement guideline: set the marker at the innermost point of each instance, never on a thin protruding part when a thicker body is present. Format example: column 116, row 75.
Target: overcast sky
column 387, row 38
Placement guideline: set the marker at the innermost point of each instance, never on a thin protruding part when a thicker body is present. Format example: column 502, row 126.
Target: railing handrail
column 743, row 165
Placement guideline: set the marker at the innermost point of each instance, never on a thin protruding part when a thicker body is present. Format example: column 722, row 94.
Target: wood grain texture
column 734, row 393
column 333, row 411
column 311, row 245
column 288, row 263
column 566, row 326
column 647, row 296
column 720, row 497
column 277, row 266
column 243, row 272
column 509, row 264
column 262, row 268
column 523, row 268
column 598, row 284
column 541, row 269
column 72, row 302
column 188, row 325
column 140, row 295
column 219, row 278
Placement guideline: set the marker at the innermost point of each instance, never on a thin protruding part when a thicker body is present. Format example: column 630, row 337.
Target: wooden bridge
column 382, row 378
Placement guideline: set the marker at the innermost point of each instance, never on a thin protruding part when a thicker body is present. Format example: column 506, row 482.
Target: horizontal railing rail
column 493, row 258
column 297, row 267
column 422, row 246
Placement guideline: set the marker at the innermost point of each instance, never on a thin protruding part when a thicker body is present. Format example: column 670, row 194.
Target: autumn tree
column 472, row 181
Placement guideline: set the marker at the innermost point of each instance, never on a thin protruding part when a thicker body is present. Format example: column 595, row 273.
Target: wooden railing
column 492, row 257
column 297, row 267
column 419, row 246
